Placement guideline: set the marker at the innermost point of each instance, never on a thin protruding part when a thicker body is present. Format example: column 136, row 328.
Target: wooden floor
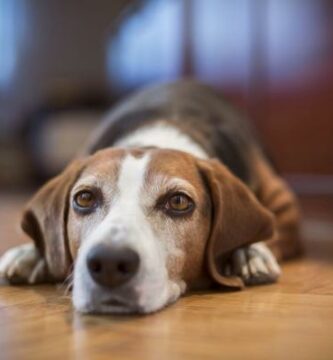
column 289, row 320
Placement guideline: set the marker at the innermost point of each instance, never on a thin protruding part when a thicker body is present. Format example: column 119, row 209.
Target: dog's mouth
column 119, row 305
column 115, row 302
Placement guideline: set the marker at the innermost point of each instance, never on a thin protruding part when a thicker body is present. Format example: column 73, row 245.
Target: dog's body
column 151, row 214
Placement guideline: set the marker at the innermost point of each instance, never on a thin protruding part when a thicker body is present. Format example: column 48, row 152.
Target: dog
column 171, row 193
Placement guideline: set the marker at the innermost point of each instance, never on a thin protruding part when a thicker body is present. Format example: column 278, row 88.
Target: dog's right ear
column 45, row 221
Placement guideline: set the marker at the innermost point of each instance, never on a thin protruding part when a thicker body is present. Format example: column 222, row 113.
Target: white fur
column 23, row 262
column 126, row 225
column 255, row 264
column 163, row 136
column 10, row 256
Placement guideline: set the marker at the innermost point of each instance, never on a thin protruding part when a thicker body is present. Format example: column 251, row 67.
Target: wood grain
column 289, row 320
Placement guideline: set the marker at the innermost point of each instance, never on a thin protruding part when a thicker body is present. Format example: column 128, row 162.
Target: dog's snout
column 112, row 267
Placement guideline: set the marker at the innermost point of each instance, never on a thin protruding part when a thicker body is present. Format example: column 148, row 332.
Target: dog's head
column 141, row 226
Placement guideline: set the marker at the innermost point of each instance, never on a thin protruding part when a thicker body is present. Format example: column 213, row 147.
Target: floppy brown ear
column 238, row 219
column 45, row 221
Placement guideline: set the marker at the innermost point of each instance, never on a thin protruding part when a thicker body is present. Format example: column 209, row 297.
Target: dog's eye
column 179, row 204
column 85, row 200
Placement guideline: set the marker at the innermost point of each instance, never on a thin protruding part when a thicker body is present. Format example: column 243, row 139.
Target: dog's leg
column 275, row 194
column 23, row 265
column 255, row 264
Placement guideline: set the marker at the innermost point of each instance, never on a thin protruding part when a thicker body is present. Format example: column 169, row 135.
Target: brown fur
column 190, row 234
column 45, row 221
column 103, row 170
column 276, row 196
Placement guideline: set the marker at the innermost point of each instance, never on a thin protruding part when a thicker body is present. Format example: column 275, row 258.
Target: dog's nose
column 112, row 267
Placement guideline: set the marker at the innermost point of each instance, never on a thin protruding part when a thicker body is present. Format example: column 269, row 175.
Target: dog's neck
column 162, row 135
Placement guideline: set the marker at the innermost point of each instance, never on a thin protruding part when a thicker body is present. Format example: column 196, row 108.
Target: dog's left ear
column 238, row 219
column 45, row 221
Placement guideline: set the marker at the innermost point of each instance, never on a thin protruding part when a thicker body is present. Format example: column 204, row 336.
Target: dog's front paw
column 255, row 264
column 23, row 265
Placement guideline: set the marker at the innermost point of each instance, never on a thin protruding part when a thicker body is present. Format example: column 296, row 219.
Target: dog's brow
column 178, row 184
column 89, row 180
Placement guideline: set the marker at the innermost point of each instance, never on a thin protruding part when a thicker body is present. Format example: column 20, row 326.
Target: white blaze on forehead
column 131, row 180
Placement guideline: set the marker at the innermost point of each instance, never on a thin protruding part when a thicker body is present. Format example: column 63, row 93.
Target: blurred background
column 63, row 63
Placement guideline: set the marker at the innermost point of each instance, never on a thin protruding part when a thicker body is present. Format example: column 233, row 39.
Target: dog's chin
column 115, row 305
column 95, row 300
column 96, row 303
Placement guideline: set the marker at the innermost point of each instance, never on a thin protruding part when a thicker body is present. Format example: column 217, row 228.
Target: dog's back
column 193, row 109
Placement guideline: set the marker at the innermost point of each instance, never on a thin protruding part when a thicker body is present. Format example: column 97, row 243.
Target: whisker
column 67, row 285
column 68, row 289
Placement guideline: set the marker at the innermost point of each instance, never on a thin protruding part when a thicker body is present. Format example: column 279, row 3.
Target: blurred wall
column 273, row 58
column 50, row 47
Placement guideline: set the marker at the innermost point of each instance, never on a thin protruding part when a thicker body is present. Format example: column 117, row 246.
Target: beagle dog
column 171, row 193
